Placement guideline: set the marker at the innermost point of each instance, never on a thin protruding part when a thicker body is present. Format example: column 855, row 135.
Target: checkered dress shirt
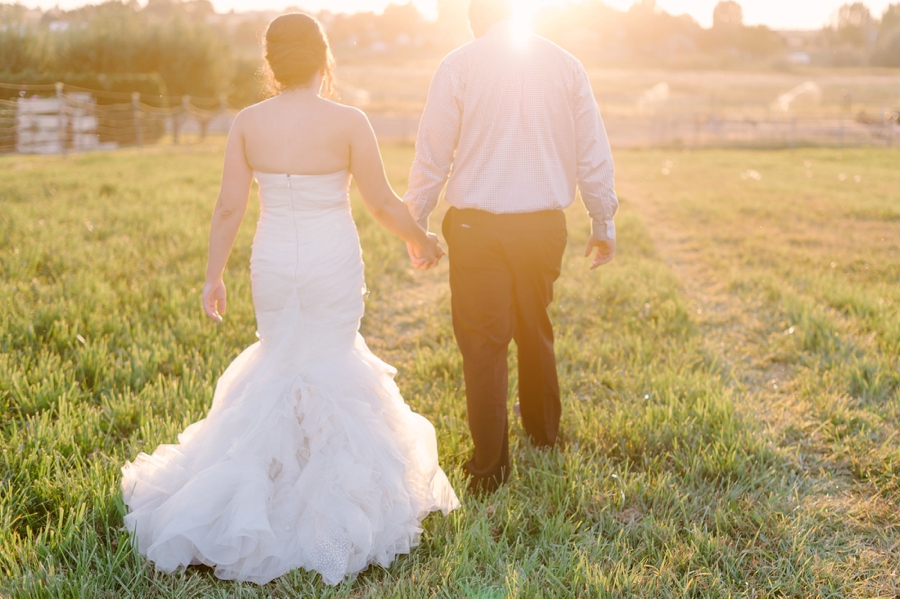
column 515, row 118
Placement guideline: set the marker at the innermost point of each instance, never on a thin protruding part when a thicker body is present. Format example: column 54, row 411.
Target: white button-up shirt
column 515, row 118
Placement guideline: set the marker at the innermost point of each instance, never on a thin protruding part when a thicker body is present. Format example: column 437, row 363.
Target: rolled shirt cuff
column 603, row 230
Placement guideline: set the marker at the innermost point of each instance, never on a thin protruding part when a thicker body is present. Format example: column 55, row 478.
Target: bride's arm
column 226, row 221
column 381, row 201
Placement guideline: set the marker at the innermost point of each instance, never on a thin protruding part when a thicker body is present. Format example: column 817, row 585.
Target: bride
column 308, row 458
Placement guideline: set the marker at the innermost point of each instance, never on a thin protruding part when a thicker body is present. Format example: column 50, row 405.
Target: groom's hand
column 417, row 262
column 427, row 257
column 605, row 251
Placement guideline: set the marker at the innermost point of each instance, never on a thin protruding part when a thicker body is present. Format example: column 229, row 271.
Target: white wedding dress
column 308, row 458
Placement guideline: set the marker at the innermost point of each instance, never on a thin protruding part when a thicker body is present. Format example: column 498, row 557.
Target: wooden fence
column 58, row 119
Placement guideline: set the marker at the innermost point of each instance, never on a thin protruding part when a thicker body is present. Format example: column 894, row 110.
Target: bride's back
column 299, row 133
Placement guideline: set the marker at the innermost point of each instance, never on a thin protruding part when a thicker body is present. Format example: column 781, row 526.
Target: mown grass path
column 731, row 382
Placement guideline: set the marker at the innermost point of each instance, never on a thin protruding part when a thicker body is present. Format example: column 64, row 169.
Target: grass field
column 731, row 382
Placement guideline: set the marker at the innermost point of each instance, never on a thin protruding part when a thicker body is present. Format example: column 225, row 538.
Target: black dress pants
column 502, row 270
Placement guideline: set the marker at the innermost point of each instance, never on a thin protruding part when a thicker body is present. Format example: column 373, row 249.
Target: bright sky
column 779, row 14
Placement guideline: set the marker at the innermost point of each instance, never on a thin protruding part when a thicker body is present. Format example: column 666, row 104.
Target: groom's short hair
column 491, row 11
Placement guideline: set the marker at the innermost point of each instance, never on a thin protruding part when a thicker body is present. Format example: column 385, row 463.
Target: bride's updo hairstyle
column 296, row 50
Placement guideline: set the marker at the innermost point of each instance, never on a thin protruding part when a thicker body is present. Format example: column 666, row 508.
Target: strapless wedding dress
column 309, row 457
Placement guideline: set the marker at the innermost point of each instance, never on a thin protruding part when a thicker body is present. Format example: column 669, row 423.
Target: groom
column 515, row 118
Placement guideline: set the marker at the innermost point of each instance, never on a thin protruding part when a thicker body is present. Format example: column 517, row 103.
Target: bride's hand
column 428, row 255
column 214, row 299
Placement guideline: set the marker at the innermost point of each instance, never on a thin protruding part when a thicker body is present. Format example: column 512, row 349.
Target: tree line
column 644, row 34
column 179, row 47
column 119, row 40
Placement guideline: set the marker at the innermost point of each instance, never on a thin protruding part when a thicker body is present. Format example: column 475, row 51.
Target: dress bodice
column 283, row 193
column 306, row 248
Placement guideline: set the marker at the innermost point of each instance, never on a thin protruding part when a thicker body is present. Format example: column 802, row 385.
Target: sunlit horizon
column 800, row 14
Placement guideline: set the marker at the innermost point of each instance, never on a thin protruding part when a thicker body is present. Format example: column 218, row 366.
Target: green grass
column 731, row 398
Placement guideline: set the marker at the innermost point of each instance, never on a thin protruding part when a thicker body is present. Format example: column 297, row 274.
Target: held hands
column 214, row 299
column 425, row 257
column 606, row 251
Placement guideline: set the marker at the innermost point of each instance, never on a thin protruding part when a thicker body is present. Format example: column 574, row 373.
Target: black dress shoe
column 481, row 486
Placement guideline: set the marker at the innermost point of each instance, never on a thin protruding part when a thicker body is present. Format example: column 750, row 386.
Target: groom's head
column 485, row 13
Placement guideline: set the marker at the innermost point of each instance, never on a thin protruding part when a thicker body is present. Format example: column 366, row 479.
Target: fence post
column 176, row 126
column 62, row 121
column 204, row 123
column 138, row 129
column 185, row 108
column 888, row 117
column 841, row 132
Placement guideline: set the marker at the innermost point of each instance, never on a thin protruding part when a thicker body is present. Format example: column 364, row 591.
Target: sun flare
column 526, row 11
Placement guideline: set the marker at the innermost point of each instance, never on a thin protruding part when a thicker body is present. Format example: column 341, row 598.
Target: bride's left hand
column 214, row 302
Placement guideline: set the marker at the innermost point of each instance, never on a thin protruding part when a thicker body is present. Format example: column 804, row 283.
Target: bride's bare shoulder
column 254, row 111
column 245, row 118
column 348, row 114
column 321, row 115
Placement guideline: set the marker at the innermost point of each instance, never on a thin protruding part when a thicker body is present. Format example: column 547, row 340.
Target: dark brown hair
column 296, row 49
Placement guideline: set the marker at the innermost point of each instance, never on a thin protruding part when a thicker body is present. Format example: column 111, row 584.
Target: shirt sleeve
column 435, row 145
column 596, row 173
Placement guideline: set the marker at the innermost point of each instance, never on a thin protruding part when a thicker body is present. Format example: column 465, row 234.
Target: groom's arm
column 435, row 145
column 596, row 174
